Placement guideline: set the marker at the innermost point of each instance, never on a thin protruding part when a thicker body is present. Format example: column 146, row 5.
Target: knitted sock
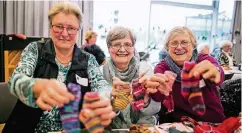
column 123, row 98
column 138, row 92
column 190, row 89
column 88, row 117
column 138, row 105
column 69, row 112
column 168, row 101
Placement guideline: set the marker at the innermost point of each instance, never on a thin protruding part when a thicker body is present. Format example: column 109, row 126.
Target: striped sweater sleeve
column 21, row 81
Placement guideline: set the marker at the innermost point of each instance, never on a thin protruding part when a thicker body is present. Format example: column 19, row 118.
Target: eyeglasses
column 117, row 46
column 71, row 30
column 182, row 44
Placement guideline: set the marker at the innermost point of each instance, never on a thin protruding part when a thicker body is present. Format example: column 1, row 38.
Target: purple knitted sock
column 69, row 112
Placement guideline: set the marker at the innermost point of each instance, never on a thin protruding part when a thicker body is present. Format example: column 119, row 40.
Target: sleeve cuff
column 32, row 100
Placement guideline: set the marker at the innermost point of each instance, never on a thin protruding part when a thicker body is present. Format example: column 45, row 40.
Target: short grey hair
column 119, row 33
column 178, row 31
column 66, row 8
column 201, row 46
column 225, row 43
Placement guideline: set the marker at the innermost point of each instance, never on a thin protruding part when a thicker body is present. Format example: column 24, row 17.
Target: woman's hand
column 103, row 108
column 51, row 93
column 158, row 82
column 117, row 83
column 207, row 70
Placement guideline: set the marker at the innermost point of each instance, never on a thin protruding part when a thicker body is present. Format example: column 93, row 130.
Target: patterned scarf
column 175, row 68
column 110, row 71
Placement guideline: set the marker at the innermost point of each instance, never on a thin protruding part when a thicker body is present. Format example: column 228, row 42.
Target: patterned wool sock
column 190, row 89
column 88, row 117
column 138, row 92
column 168, row 101
column 138, row 105
column 123, row 98
column 69, row 112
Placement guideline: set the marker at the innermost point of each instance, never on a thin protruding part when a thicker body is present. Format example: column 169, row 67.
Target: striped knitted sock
column 69, row 112
column 138, row 92
column 190, row 89
column 168, row 101
column 88, row 117
column 123, row 98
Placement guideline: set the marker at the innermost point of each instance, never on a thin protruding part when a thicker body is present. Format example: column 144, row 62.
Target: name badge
column 81, row 81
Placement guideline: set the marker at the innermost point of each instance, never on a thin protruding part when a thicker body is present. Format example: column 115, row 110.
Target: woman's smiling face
column 121, row 51
column 180, row 48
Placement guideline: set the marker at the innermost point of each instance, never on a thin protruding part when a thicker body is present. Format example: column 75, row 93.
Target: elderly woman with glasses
column 123, row 67
column 44, row 70
column 194, row 91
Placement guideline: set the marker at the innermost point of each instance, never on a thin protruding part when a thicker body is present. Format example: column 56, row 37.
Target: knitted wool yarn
column 69, row 112
column 138, row 92
column 168, row 101
column 190, row 89
column 123, row 97
column 91, row 121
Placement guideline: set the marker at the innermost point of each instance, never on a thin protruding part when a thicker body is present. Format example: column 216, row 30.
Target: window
column 108, row 14
column 151, row 20
column 224, row 23
column 198, row 2
column 165, row 17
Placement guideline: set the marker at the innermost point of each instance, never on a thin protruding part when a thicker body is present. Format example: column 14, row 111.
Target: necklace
column 64, row 63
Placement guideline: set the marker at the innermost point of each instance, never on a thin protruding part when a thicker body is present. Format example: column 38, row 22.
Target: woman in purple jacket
column 181, row 46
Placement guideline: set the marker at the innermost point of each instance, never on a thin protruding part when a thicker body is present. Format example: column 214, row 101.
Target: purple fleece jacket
column 214, row 110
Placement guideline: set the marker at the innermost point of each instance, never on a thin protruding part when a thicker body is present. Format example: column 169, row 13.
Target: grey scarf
column 110, row 71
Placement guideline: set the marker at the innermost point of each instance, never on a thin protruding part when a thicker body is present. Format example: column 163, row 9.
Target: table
column 232, row 74
column 163, row 128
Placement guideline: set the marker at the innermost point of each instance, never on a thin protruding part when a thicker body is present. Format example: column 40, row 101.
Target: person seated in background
column 120, row 70
column 203, row 102
column 97, row 52
column 90, row 37
column 40, row 78
column 226, row 58
column 203, row 48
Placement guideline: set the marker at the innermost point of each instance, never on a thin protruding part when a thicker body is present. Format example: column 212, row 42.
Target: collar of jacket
column 78, row 59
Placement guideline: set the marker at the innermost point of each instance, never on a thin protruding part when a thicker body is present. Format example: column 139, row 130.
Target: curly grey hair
column 225, row 43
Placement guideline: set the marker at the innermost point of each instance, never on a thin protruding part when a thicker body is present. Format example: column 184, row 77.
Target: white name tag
column 81, row 81
column 201, row 83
